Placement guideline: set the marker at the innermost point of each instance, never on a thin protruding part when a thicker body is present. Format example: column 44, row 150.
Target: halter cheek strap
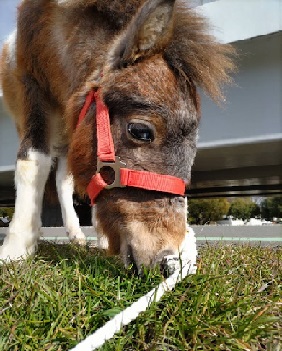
column 106, row 158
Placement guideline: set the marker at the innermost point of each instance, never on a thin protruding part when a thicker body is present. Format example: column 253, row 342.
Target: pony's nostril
column 130, row 261
column 134, row 269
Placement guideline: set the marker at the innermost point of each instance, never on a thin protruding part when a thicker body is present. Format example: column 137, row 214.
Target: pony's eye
column 141, row 132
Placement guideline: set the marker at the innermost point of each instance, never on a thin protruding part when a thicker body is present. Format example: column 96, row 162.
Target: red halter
column 107, row 158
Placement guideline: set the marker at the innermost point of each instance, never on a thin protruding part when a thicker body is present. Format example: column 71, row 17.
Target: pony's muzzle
column 167, row 261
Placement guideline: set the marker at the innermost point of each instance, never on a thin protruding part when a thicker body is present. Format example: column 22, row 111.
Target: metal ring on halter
column 115, row 166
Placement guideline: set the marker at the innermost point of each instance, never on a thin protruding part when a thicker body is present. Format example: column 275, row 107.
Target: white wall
column 253, row 108
column 234, row 20
column 8, row 13
column 8, row 140
column 8, row 135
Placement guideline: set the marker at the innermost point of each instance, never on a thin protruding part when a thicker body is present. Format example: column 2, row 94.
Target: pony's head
column 148, row 84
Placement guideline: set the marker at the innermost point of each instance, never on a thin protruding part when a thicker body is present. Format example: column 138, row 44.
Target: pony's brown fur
column 148, row 58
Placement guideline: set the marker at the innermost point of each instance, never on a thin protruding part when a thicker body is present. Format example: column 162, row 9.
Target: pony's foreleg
column 64, row 182
column 24, row 230
column 102, row 240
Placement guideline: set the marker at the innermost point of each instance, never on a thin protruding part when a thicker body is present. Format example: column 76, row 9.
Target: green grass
column 62, row 295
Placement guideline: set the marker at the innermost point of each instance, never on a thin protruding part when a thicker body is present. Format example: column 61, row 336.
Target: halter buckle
column 115, row 166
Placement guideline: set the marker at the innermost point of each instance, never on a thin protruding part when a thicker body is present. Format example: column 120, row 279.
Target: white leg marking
column 102, row 240
column 64, row 182
column 30, row 178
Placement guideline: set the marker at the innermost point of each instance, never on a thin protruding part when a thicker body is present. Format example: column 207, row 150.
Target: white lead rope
column 106, row 332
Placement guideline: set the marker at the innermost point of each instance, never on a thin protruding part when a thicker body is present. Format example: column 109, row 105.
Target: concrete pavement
column 264, row 235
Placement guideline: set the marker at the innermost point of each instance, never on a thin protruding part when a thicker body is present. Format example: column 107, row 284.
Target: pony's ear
column 148, row 33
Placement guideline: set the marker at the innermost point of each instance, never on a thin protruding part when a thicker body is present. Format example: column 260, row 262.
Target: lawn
column 56, row 299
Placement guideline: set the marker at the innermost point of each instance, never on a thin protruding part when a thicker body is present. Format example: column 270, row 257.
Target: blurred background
column 240, row 143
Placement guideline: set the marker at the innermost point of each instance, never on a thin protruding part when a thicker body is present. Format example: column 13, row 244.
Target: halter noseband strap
column 106, row 158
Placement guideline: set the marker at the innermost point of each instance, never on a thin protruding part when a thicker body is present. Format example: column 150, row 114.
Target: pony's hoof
column 102, row 242
column 80, row 241
column 77, row 237
column 10, row 253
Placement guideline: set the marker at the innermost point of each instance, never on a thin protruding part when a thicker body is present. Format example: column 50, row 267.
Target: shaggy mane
column 196, row 56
